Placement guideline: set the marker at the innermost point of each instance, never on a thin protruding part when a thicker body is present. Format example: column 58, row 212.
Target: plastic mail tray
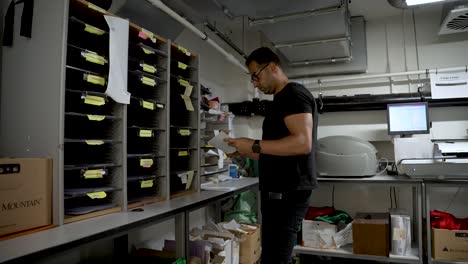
column 146, row 67
column 181, row 69
column 146, row 38
column 82, row 126
column 141, row 140
column 180, row 111
column 182, row 138
column 179, row 181
column 87, row 152
column 88, row 36
column 88, row 60
column 88, row 177
column 146, row 53
column 144, row 85
column 145, row 113
column 179, row 53
column 181, row 159
column 84, row 201
column 141, row 188
column 81, row 80
column 145, row 165
column 89, row 103
column 87, row 15
column 182, row 86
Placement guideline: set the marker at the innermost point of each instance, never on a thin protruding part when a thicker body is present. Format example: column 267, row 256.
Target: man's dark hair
column 262, row 55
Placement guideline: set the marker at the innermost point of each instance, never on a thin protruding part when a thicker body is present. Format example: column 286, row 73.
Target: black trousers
column 282, row 216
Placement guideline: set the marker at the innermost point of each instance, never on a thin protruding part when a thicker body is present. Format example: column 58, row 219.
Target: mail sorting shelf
column 429, row 187
column 93, row 121
column 148, row 118
column 416, row 254
column 184, row 121
column 211, row 122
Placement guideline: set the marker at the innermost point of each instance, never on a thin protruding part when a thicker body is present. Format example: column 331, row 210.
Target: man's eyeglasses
column 254, row 77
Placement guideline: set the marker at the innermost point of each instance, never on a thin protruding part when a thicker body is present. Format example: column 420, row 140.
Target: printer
column 449, row 161
column 345, row 156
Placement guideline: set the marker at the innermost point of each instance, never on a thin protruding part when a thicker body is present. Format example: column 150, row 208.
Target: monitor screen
column 408, row 118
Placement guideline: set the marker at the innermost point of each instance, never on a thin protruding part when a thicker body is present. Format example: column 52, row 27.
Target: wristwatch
column 256, row 146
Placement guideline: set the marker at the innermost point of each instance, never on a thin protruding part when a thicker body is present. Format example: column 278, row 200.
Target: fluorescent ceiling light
column 420, row 2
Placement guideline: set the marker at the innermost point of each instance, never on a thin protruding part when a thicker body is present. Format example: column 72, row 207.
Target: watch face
column 256, row 148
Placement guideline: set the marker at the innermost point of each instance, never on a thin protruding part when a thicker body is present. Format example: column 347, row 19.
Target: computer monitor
column 408, row 118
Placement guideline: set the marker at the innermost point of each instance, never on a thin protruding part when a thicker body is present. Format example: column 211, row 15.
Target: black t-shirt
column 287, row 173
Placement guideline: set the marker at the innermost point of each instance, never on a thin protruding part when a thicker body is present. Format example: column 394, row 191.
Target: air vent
column 455, row 21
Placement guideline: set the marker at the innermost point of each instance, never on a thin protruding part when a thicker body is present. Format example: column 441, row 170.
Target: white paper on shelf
column 118, row 59
column 218, row 142
column 449, row 85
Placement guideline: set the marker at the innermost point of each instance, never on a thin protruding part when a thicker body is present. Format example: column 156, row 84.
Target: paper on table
column 118, row 66
column 218, row 142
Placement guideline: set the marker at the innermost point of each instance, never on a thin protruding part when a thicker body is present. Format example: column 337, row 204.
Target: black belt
column 276, row 196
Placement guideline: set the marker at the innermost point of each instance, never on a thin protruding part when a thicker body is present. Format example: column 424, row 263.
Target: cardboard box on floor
column 225, row 252
column 371, row 234
column 318, row 234
column 25, row 194
column 250, row 244
column 449, row 244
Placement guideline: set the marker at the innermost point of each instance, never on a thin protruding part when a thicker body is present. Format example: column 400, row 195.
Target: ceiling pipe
column 196, row 31
column 308, row 81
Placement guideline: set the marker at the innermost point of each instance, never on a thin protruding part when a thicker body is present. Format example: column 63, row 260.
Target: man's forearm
column 288, row 146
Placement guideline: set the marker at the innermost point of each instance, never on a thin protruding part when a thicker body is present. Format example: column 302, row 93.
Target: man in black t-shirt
column 286, row 155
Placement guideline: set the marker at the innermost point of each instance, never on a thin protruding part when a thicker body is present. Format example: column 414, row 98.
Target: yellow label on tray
column 183, row 153
column 94, row 142
column 184, row 50
column 147, row 51
column 145, row 133
column 184, row 82
column 160, row 106
column 148, row 81
column 94, row 79
column 97, row 195
column 94, row 100
column 182, row 66
column 93, row 57
column 188, row 103
column 96, row 117
column 146, row 163
column 184, row 132
column 148, row 105
column 148, row 68
column 147, row 184
column 94, row 30
column 94, row 174
column 96, row 8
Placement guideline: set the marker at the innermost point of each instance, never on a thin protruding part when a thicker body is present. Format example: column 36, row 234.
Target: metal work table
column 117, row 225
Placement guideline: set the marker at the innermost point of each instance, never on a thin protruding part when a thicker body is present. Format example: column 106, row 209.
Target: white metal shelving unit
column 416, row 255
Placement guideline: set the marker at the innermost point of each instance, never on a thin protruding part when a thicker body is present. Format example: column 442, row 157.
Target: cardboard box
column 250, row 246
column 318, row 234
column 371, row 234
column 223, row 246
column 25, row 194
column 449, row 244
